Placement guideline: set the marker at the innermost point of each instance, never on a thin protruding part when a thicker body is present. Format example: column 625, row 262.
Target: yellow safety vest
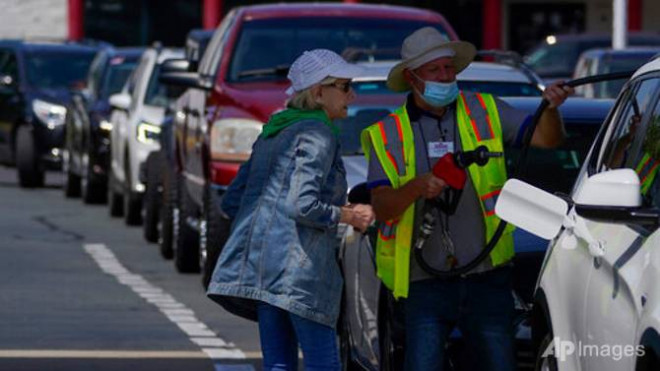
column 647, row 169
column 392, row 140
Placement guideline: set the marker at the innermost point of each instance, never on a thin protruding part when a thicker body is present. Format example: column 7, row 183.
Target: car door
column 10, row 102
column 614, row 298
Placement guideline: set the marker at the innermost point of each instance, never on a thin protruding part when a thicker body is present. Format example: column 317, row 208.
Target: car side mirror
column 121, row 101
column 612, row 196
column 184, row 79
column 174, row 65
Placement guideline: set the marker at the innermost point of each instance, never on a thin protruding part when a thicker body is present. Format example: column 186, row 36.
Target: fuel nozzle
column 479, row 156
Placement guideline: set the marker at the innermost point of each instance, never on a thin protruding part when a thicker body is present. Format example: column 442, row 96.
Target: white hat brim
column 464, row 53
column 340, row 71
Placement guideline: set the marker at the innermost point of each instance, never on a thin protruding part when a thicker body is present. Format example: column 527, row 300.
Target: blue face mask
column 439, row 94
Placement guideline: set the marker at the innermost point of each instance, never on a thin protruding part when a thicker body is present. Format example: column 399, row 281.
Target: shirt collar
column 415, row 112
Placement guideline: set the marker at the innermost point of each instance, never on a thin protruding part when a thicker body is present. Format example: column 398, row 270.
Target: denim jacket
column 285, row 202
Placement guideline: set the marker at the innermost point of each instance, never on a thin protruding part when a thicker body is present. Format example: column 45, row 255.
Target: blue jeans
column 281, row 331
column 480, row 305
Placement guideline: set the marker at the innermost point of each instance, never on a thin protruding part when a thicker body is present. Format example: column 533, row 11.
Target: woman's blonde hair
column 304, row 100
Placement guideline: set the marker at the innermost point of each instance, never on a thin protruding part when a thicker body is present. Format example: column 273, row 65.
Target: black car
column 160, row 170
column 36, row 80
column 87, row 145
column 371, row 329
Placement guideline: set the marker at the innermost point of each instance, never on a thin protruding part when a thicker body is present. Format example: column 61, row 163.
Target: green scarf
column 290, row 116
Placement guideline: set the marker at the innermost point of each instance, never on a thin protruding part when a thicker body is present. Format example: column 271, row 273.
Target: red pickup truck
column 241, row 81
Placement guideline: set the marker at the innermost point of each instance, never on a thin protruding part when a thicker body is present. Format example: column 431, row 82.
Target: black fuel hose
column 527, row 139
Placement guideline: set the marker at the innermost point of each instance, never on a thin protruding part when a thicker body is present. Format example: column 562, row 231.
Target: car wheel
column 27, row 162
column 186, row 250
column 115, row 200
column 152, row 197
column 132, row 201
column 545, row 359
column 93, row 192
column 168, row 214
column 214, row 231
column 71, row 181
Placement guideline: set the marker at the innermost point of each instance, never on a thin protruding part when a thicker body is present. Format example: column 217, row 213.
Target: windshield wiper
column 281, row 70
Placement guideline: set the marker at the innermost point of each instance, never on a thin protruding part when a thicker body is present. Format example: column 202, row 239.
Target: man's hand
column 429, row 186
column 557, row 93
column 358, row 215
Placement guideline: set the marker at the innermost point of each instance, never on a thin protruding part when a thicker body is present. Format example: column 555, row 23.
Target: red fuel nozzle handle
column 447, row 169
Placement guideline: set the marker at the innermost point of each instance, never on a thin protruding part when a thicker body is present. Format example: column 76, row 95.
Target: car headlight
column 148, row 133
column 232, row 139
column 50, row 114
column 106, row 125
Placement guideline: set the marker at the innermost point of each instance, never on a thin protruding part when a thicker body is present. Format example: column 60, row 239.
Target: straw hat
column 425, row 45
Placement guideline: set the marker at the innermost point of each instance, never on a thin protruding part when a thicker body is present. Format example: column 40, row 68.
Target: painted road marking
column 110, row 354
column 211, row 345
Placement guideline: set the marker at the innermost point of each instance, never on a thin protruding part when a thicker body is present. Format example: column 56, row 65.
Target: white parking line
column 213, row 346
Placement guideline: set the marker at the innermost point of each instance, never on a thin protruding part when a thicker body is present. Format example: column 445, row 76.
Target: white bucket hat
column 315, row 65
column 425, row 45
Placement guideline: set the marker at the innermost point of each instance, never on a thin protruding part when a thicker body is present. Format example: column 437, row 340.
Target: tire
column 548, row 363
column 168, row 216
column 27, row 161
column 132, row 201
column 115, row 200
column 71, row 181
column 153, row 197
column 213, row 234
column 186, row 250
column 92, row 191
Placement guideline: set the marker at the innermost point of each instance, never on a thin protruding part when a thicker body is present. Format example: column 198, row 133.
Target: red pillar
column 75, row 11
column 211, row 14
column 634, row 15
column 492, row 24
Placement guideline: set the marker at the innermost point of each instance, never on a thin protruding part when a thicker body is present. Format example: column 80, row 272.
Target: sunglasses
column 345, row 87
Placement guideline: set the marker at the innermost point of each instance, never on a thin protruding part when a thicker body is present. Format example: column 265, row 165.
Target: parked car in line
column 600, row 61
column 87, row 124
column 35, row 83
column 371, row 331
column 160, row 170
column 241, row 80
column 555, row 57
column 597, row 302
column 136, row 118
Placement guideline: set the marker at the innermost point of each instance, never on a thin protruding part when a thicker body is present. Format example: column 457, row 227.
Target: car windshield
column 555, row 169
column 116, row 77
column 554, row 60
column 57, row 69
column 158, row 94
column 619, row 63
column 266, row 47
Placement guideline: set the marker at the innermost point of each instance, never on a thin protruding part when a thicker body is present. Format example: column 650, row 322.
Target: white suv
column 138, row 112
column 597, row 301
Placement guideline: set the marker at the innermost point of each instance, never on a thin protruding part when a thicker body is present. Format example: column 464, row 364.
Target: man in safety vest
column 438, row 118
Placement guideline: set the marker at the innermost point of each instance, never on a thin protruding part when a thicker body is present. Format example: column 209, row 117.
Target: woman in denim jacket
column 286, row 203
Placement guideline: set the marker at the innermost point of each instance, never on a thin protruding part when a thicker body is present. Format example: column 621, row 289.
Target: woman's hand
column 357, row 215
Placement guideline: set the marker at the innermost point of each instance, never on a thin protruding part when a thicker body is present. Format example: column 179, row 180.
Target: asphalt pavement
column 80, row 290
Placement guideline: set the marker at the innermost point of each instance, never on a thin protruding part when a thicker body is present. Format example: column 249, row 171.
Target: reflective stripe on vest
column 479, row 124
column 647, row 169
column 392, row 142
